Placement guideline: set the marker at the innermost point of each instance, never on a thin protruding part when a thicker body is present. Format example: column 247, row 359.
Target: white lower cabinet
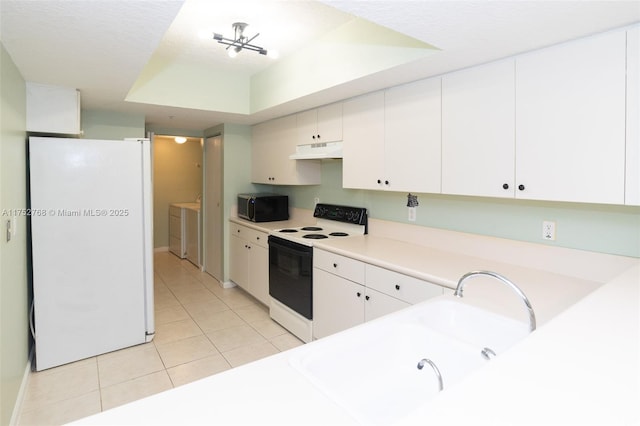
column 249, row 261
column 347, row 292
column 378, row 304
column 338, row 303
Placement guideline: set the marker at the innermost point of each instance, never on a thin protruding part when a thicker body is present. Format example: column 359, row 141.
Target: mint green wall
column 101, row 124
column 14, row 318
column 591, row 227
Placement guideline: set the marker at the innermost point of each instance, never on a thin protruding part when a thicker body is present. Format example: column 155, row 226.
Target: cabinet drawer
column 403, row 287
column 248, row 234
column 339, row 265
column 237, row 230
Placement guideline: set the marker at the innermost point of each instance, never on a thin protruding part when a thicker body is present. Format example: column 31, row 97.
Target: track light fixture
column 240, row 42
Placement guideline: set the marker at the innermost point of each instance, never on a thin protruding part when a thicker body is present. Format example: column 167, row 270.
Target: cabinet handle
column 318, row 136
column 386, row 182
column 521, row 187
column 358, row 294
column 397, row 286
column 366, row 297
column 258, row 238
column 335, row 265
column 379, row 181
column 238, row 231
column 505, row 186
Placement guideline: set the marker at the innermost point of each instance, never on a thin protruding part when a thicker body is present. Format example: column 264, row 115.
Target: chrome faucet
column 465, row 277
column 421, row 365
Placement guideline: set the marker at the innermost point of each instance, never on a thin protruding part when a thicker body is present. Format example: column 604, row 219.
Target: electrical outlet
column 549, row 230
column 412, row 214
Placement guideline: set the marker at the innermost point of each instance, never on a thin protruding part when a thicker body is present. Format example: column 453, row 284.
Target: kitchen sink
column 372, row 370
column 475, row 326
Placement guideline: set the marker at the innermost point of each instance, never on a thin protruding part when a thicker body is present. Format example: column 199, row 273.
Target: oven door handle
column 292, row 248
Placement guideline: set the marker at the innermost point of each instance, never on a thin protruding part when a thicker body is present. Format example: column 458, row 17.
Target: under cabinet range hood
column 317, row 151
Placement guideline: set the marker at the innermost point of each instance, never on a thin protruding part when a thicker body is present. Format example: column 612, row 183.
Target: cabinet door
column 307, row 125
column 632, row 181
column 272, row 143
column 264, row 147
column 338, row 303
column 238, row 262
column 363, row 142
column 478, row 107
column 570, row 121
column 52, row 109
column 330, row 123
column 379, row 304
column 412, row 146
column 259, row 273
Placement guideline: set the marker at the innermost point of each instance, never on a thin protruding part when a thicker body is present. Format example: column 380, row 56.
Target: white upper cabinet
column 53, row 109
column 632, row 180
column 570, row 121
column 318, row 125
column 271, row 144
column 363, row 146
column 392, row 139
column 412, row 137
column 478, row 148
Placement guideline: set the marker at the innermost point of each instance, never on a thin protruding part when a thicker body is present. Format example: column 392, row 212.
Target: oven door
column 291, row 274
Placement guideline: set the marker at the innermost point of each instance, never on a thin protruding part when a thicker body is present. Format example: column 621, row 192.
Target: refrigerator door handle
column 32, row 321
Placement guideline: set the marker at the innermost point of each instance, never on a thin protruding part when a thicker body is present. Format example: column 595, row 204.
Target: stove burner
column 339, row 234
column 288, row 230
column 311, row 228
column 315, row 236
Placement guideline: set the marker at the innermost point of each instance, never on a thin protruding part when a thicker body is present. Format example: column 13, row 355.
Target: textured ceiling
column 102, row 47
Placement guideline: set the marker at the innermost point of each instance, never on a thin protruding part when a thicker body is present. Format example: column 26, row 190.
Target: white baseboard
column 227, row 284
column 160, row 249
column 17, row 408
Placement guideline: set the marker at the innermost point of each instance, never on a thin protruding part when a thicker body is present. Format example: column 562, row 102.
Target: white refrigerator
column 91, row 244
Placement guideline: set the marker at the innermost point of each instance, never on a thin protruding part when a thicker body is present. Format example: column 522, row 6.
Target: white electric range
column 291, row 263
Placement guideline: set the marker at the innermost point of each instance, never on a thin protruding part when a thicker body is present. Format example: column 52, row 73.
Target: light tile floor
column 201, row 329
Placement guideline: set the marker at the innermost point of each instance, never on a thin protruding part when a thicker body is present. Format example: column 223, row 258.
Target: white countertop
column 580, row 367
column 190, row 206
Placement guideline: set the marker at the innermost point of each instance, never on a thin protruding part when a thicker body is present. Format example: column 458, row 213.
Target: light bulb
column 180, row 139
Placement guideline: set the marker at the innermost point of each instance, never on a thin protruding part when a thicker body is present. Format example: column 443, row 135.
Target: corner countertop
column 581, row 366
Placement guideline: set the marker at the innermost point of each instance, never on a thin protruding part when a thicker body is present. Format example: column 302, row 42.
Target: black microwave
column 263, row 207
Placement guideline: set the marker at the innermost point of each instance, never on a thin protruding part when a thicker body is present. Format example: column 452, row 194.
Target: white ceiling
column 103, row 46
